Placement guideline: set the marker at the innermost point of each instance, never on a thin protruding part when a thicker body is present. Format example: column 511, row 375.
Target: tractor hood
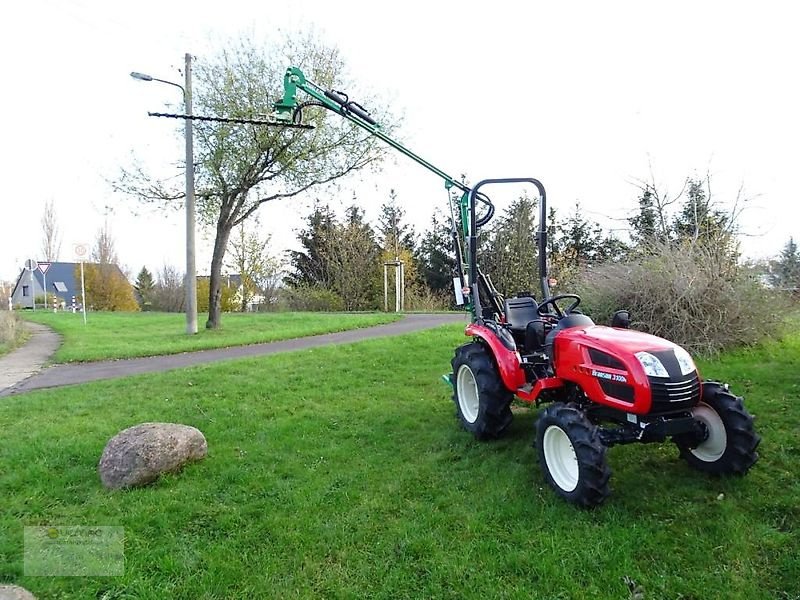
column 629, row 370
column 623, row 340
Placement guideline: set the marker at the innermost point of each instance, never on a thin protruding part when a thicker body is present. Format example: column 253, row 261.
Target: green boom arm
column 287, row 109
column 339, row 103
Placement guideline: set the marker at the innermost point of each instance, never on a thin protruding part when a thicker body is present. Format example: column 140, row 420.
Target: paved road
column 69, row 374
column 29, row 359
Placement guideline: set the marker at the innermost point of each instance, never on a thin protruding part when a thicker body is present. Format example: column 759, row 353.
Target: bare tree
column 107, row 287
column 249, row 256
column 6, row 287
column 168, row 294
column 104, row 251
column 51, row 236
column 653, row 222
column 240, row 167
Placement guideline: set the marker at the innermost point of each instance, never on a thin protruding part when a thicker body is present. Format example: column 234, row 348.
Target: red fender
column 508, row 361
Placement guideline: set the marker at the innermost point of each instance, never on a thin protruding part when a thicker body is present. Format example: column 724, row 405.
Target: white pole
column 402, row 286
column 396, row 287
column 191, row 271
column 83, row 295
column 33, row 292
column 385, row 288
column 44, row 279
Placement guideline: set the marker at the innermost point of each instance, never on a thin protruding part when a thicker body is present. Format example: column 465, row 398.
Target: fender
column 508, row 361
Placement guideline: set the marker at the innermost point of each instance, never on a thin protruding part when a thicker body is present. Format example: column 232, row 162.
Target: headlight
column 684, row 360
column 651, row 365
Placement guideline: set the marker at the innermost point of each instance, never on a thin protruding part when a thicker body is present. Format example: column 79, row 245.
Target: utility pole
column 191, row 273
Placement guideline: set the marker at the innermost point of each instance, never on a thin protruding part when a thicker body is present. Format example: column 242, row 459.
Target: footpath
column 25, row 368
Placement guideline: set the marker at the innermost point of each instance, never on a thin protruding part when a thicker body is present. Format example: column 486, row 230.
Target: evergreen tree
column 697, row 219
column 144, row 288
column 309, row 266
column 397, row 240
column 436, row 256
column 342, row 258
column 643, row 225
column 510, row 255
column 580, row 240
column 786, row 269
column 353, row 261
column 394, row 234
column 612, row 249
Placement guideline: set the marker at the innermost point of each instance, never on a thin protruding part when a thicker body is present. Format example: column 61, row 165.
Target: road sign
column 81, row 250
column 31, row 264
column 43, row 266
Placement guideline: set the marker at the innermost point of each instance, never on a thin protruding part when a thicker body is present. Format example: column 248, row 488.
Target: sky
column 587, row 97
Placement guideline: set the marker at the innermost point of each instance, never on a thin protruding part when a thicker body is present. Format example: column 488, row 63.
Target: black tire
column 730, row 448
column 572, row 456
column 483, row 404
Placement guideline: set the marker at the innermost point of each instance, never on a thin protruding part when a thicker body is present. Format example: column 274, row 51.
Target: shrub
column 10, row 329
column 311, row 298
column 228, row 301
column 690, row 294
column 107, row 288
column 422, row 298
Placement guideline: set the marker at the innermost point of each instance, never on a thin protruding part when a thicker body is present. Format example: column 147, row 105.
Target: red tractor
column 601, row 385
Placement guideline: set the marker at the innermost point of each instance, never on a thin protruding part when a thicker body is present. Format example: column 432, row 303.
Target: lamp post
column 191, row 273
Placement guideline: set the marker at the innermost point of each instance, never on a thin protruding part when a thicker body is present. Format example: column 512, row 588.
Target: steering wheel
column 553, row 300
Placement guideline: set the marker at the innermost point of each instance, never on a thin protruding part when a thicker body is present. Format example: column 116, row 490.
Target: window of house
column 26, row 290
column 60, row 287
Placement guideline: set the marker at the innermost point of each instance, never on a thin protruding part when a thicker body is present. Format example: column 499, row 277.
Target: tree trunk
column 215, row 281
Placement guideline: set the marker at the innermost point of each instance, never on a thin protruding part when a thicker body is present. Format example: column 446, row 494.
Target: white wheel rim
column 562, row 462
column 467, row 393
column 714, row 447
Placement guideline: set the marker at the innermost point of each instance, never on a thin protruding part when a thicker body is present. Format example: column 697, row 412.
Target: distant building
column 61, row 282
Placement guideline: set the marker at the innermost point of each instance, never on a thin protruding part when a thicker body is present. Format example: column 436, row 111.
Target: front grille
column 674, row 394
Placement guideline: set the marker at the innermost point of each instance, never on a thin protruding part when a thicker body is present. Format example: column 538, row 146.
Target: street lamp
column 191, row 273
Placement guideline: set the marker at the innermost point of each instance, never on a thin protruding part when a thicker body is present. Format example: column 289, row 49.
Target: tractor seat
column 520, row 312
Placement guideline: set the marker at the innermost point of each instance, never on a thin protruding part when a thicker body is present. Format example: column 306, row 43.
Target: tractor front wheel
column 572, row 456
column 483, row 404
column 730, row 446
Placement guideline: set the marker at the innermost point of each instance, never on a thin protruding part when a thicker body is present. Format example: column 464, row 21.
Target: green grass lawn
column 109, row 335
column 340, row 472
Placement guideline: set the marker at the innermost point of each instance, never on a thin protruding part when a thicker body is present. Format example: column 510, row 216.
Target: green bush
column 690, row 294
column 422, row 298
column 311, row 298
column 11, row 331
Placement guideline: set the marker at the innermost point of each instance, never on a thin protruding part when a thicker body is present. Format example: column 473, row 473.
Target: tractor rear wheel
column 572, row 456
column 730, row 448
column 483, row 404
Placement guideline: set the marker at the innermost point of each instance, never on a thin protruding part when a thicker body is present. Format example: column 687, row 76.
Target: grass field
column 110, row 335
column 340, row 472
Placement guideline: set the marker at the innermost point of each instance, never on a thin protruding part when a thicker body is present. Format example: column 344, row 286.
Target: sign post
column 43, row 266
column 31, row 264
column 80, row 253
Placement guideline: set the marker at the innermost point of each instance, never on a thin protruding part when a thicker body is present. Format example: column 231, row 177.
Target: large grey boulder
column 138, row 455
column 14, row 592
